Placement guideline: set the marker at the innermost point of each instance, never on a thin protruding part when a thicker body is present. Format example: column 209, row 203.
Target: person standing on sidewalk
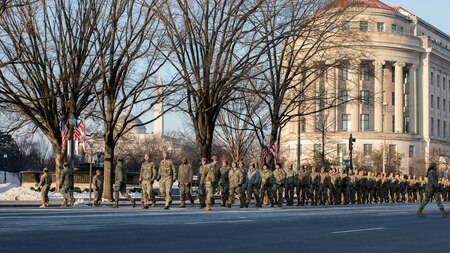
column 44, row 187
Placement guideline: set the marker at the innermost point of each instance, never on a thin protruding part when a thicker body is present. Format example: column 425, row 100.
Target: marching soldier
column 335, row 182
column 280, row 180
column 44, row 187
column 253, row 178
column 97, row 182
column 208, row 179
column 223, row 183
column 267, row 181
column 235, row 179
column 323, row 187
column 146, row 178
column 314, row 186
column 201, row 185
column 185, row 174
column 244, row 174
column 167, row 174
column 302, row 186
column 66, row 185
column 120, row 184
column 289, row 187
column 432, row 189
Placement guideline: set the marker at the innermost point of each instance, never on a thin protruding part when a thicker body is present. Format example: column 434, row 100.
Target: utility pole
column 350, row 148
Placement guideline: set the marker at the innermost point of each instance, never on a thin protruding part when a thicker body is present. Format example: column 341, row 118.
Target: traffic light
column 350, row 142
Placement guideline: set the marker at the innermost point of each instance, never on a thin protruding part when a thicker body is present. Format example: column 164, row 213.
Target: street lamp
column 5, row 157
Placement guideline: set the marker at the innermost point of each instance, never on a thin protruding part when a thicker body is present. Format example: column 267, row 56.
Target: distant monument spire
column 158, row 124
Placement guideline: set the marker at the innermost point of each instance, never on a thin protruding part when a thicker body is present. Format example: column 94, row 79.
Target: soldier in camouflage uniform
column 167, row 174
column 185, row 174
column 370, row 187
column 280, row 179
column 201, row 187
column 66, row 185
column 207, row 178
column 44, row 187
column 120, row 184
column 352, row 190
column 289, row 187
column 432, row 189
column 224, row 185
column 97, row 181
column 302, row 186
column 314, row 183
column 267, row 181
column 146, row 178
column 344, row 189
column 335, row 181
column 362, row 187
column 235, row 179
column 323, row 187
column 244, row 174
column 384, row 189
column 253, row 180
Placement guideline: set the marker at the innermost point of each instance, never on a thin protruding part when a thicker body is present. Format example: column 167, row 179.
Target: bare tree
column 305, row 39
column 214, row 47
column 53, row 66
column 130, row 41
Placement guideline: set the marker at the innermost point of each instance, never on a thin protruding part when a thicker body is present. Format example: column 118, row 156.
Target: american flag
column 64, row 133
column 80, row 134
column 264, row 152
column 274, row 151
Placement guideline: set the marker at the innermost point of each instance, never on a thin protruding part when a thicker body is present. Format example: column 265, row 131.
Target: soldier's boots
column 419, row 214
column 43, row 206
column 202, row 205
column 208, row 208
column 64, row 204
column 192, row 202
column 133, row 203
column 444, row 213
column 145, row 206
column 46, row 204
column 229, row 205
column 182, row 204
column 115, row 205
column 153, row 203
column 72, row 201
column 166, row 207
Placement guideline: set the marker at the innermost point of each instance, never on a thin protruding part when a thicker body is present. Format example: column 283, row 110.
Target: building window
column 406, row 124
column 394, row 28
column 344, row 96
column 432, row 79
column 367, row 149
column 432, row 126
column 438, row 128
column 412, row 151
column 444, row 129
column 365, row 96
column 346, row 26
column 364, row 124
column 392, row 149
column 443, row 83
column 443, row 105
column 438, row 79
column 448, row 84
column 393, row 98
column 344, row 72
column 341, row 150
column 364, row 71
column 432, row 101
column 393, row 123
column 363, row 26
column 380, row 27
column 401, row 29
column 345, row 122
column 438, row 103
column 317, row 149
column 303, row 125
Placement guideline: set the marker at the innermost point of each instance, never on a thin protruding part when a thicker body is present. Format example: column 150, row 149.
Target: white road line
column 357, row 230
column 217, row 222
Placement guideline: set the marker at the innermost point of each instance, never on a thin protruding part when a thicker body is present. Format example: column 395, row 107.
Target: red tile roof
column 362, row 3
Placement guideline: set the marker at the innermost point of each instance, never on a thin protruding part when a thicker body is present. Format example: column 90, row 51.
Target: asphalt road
column 366, row 228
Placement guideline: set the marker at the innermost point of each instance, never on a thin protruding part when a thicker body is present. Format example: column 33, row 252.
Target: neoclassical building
column 403, row 95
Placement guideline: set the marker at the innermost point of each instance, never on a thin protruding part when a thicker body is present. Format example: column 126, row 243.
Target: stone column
column 412, row 98
column 398, row 88
column 378, row 96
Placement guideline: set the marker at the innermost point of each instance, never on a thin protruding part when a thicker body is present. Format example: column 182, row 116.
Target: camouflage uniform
column 146, row 178
column 344, row 187
column 432, row 189
column 97, row 182
column 280, row 179
column 224, row 184
column 120, row 185
column 185, row 174
column 314, row 187
column 253, row 179
column 335, row 182
column 66, row 185
column 302, row 187
column 289, row 187
column 267, row 181
column 167, row 174
column 236, row 179
column 44, row 186
column 208, row 178
column 323, row 188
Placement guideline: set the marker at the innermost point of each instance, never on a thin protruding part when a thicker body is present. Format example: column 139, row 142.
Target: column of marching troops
column 264, row 186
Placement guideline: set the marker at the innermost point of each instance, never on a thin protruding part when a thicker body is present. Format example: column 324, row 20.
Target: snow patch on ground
column 13, row 178
column 11, row 191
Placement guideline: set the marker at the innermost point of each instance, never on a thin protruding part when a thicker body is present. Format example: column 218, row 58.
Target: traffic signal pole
column 350, row 148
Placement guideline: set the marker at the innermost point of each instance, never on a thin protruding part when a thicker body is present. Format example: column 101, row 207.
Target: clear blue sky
column 435, row 12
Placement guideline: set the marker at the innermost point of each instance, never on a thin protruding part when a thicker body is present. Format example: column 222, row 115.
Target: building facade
column 402, row 91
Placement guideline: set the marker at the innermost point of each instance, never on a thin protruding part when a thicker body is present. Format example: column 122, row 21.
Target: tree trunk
column 59, row 153
column 107, row 174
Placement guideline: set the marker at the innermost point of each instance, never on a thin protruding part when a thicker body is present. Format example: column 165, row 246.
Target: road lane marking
column 217, row 222
column 357, row 230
